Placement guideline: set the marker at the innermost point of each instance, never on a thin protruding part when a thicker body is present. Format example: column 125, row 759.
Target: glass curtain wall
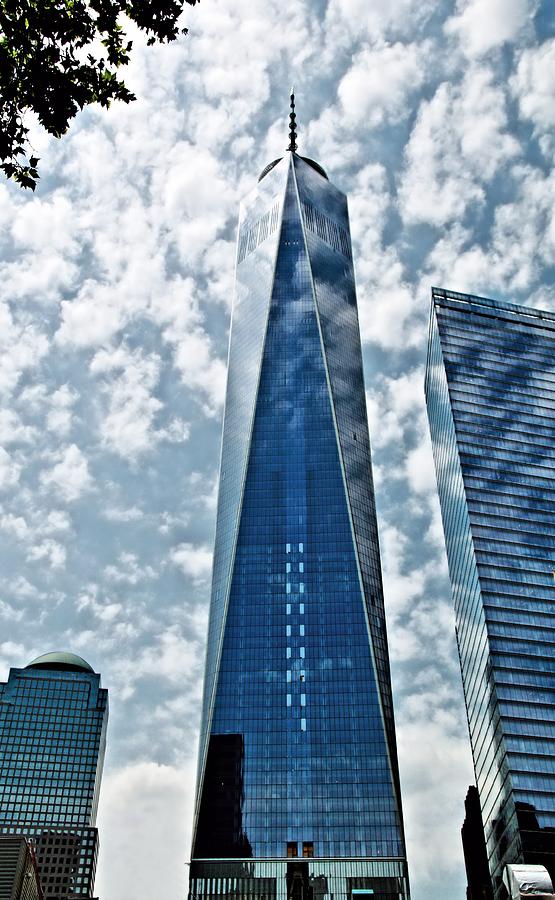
column 490, row 388
column 52, row 742
column 298, row 788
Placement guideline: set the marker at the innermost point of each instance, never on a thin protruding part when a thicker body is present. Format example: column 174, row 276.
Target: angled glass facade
column 53, row 717
column 490, row 388
column 298, row 789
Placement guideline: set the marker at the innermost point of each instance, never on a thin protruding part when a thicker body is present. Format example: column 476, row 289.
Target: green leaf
column 43, row 68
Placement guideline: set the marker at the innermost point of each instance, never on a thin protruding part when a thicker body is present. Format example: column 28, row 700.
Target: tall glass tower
column 490, row 388
column 298, row 786
column 53, row 717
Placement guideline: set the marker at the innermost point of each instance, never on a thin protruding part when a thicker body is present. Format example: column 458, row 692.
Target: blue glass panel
column 298, row 753
column 491, row 389
column 324, row 209
column 52, row 743
column 259, row 220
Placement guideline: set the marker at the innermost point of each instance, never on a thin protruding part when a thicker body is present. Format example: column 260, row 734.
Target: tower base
column 299, row 879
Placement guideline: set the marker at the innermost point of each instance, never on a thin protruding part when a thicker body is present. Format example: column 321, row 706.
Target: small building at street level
column 53, row 718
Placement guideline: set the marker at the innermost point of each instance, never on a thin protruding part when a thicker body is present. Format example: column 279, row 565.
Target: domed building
column 53, row 718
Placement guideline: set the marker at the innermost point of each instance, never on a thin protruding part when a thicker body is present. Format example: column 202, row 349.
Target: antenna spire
column 292, row 124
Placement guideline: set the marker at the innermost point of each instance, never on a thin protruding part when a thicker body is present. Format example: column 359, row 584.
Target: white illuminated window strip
column 288, row 630
column 288, row 609
column 301, row 609
column 288, row 675
column 301, row 630
column 303, row 699
column 301, row 652
column 301, row 548
column 288, row 652
column 303, row 724
column 288, row 699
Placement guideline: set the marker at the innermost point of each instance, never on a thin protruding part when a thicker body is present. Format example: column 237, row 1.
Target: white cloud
column 395, row 406
column 379, row 82
column 348, row 18
column 70, row 476
column 12, row 429
column 104, row 610
column 419, row 466
column 129, row 380
column 57, row 520
column 521, row 243
column 171, row 656
column 380, row 274
column 482, row 25
column 118, row 514
column 168, row 656
column 22, row 346
column 15, row 525
column 32, row 398
column 158, row 829
column 60, row 417
column 204, row 490
column 90, row 319
column 533, row 86
column 49, row 551
column 176, row 432
column 38, row 278
column 459, row 142
column 401, row 583
column 10, row 613
column 22, row 589
column 10, row 470
column 13, row 655
column 193, row 560
column 128, row 570
column 195, row 193
column 48, row 223
column 128, row 426
column 200, row 371
column 432, row 756
column 44, row 236
column 217, row 265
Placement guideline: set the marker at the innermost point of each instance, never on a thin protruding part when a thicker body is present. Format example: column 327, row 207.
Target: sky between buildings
column 116, row 278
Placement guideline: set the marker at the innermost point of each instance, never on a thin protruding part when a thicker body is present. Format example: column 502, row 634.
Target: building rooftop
column 59, row 659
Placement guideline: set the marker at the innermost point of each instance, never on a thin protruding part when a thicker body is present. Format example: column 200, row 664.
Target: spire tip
column 292, row 123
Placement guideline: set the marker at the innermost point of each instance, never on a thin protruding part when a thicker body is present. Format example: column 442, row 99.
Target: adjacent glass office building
column 19, row 876
column 53, row 717
column 490, row 388
column 298, row 786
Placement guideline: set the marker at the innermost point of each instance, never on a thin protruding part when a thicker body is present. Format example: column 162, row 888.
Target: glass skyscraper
column 490, row 388
column 53, row 718
column 298, row 786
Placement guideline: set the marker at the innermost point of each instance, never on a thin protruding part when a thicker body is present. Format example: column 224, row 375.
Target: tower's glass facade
column 298, row 789
column 490, row 387
column 53, row 717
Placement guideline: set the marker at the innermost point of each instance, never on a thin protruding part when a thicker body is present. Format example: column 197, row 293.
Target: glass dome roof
column 314, row 165
column 69, row 662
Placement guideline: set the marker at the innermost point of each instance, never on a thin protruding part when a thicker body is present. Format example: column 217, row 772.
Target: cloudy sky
column 436, row 117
